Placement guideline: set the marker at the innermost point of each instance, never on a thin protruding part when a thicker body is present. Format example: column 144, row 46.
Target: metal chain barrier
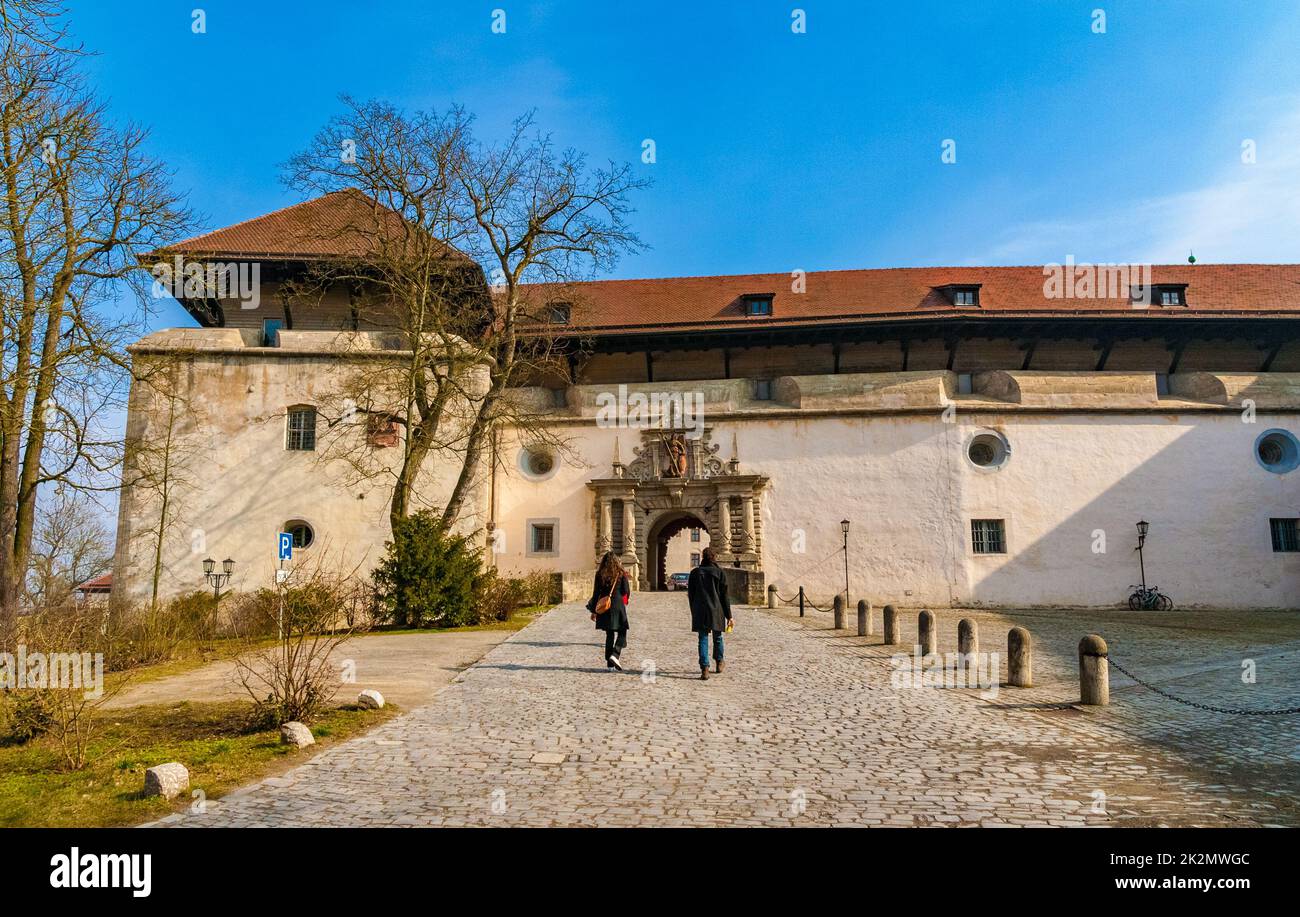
column 1199, row 706
column 793, row 602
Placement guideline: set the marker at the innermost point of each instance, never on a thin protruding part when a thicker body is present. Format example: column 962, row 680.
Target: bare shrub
column 63, row 695
column 147, row 634
column 501, row 596
column 295, row 677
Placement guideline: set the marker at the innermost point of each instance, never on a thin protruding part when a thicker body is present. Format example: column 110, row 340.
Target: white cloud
column 1246, row 213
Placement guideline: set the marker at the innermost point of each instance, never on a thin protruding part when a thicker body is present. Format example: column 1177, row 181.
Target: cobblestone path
column 803, row 728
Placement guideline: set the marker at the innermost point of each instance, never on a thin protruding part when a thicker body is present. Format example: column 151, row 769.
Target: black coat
column 710, row 605
column 616, row 617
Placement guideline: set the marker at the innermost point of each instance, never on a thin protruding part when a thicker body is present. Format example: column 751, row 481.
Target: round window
column 988, row 450
column 302, row 533
column 537, row 462
column 1278, row 451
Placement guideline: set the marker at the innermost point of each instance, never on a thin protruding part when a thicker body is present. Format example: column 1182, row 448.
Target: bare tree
column 80, row 202
column 158, row 463
column 455, row 238
column 71, row 545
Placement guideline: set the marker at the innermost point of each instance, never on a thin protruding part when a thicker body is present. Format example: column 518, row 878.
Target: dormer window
column 558, row 313
column 758, row 304
column 962, row 294
column 1169, row 295
column 1161, row 294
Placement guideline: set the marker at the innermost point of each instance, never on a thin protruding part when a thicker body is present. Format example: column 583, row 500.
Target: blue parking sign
column 286, row 546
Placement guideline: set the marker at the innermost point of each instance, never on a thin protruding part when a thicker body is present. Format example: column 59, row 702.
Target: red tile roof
column 341, row 224
column 696, row 303
column 98, row 584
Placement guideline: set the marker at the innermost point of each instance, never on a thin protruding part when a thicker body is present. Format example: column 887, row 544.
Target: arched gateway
column 676, row 480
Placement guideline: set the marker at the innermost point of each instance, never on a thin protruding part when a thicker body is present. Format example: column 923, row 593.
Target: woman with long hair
column 611, row 584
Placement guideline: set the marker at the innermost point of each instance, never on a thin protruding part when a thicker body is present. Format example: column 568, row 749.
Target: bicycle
column 1149, row 598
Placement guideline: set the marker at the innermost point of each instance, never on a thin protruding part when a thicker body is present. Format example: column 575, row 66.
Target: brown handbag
column 603, row 603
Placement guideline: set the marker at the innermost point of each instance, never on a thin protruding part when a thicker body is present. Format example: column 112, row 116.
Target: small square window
column 1286, row 535
column 1162, row 384
column 988, row 536
column 695, row 559
column 758, row 303
column 695, row 534
column 965, row 383
column 763, row 390
column 963, row 297
column 381, row 430
column 300, row 431
column 543, row 539
column 559, row 313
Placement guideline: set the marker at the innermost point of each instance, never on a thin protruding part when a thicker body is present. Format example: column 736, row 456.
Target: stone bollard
column 771, row 596
column 968, row 643
column 166, row 780
column 370, row 699
column 925, row 631
column 864, row 618
column 891, row 625
column 1094, row 672
column 1020, row 667
column 296, row 734
column 839, row 612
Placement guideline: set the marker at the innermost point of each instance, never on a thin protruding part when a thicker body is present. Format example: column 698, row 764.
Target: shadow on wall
column 1206, row 495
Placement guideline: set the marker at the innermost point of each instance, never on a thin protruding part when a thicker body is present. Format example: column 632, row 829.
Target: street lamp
column 844, row 527
column 1142, row 527
column 217, row 580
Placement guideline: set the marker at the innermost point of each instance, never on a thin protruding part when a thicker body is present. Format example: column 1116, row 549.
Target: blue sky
column 775, row 151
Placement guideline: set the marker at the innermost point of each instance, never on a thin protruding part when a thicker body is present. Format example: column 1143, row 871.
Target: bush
column 502, row 596
column 430, row 576
column 24, row 715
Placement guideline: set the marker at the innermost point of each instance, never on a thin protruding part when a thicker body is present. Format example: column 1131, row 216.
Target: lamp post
column 1142, row 528
column 844, row 527
column 217, row 580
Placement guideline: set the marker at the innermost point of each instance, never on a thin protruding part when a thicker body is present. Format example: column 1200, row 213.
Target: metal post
column 801, row 601
column 846, row 566
column 838, row 609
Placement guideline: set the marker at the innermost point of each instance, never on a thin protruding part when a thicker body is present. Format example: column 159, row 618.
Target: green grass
column 210, row 739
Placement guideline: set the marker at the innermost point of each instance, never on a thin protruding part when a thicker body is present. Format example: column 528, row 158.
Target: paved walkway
column 407, row 668
column 804, row 728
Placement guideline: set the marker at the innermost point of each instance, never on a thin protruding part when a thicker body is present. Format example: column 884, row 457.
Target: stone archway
column 659, row 532
column 671, row 478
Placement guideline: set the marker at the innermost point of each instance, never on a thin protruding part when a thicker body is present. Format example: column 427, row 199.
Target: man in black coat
column 710, row 608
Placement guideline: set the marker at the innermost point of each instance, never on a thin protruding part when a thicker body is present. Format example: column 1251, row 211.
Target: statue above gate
column 665, row 454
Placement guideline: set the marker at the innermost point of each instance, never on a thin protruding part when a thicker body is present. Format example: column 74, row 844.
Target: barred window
column 543, row 539
column 300, row 434
column 1286, row 535
column 989, row 536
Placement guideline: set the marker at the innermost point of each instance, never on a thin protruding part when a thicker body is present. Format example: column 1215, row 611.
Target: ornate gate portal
column 674, row 480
